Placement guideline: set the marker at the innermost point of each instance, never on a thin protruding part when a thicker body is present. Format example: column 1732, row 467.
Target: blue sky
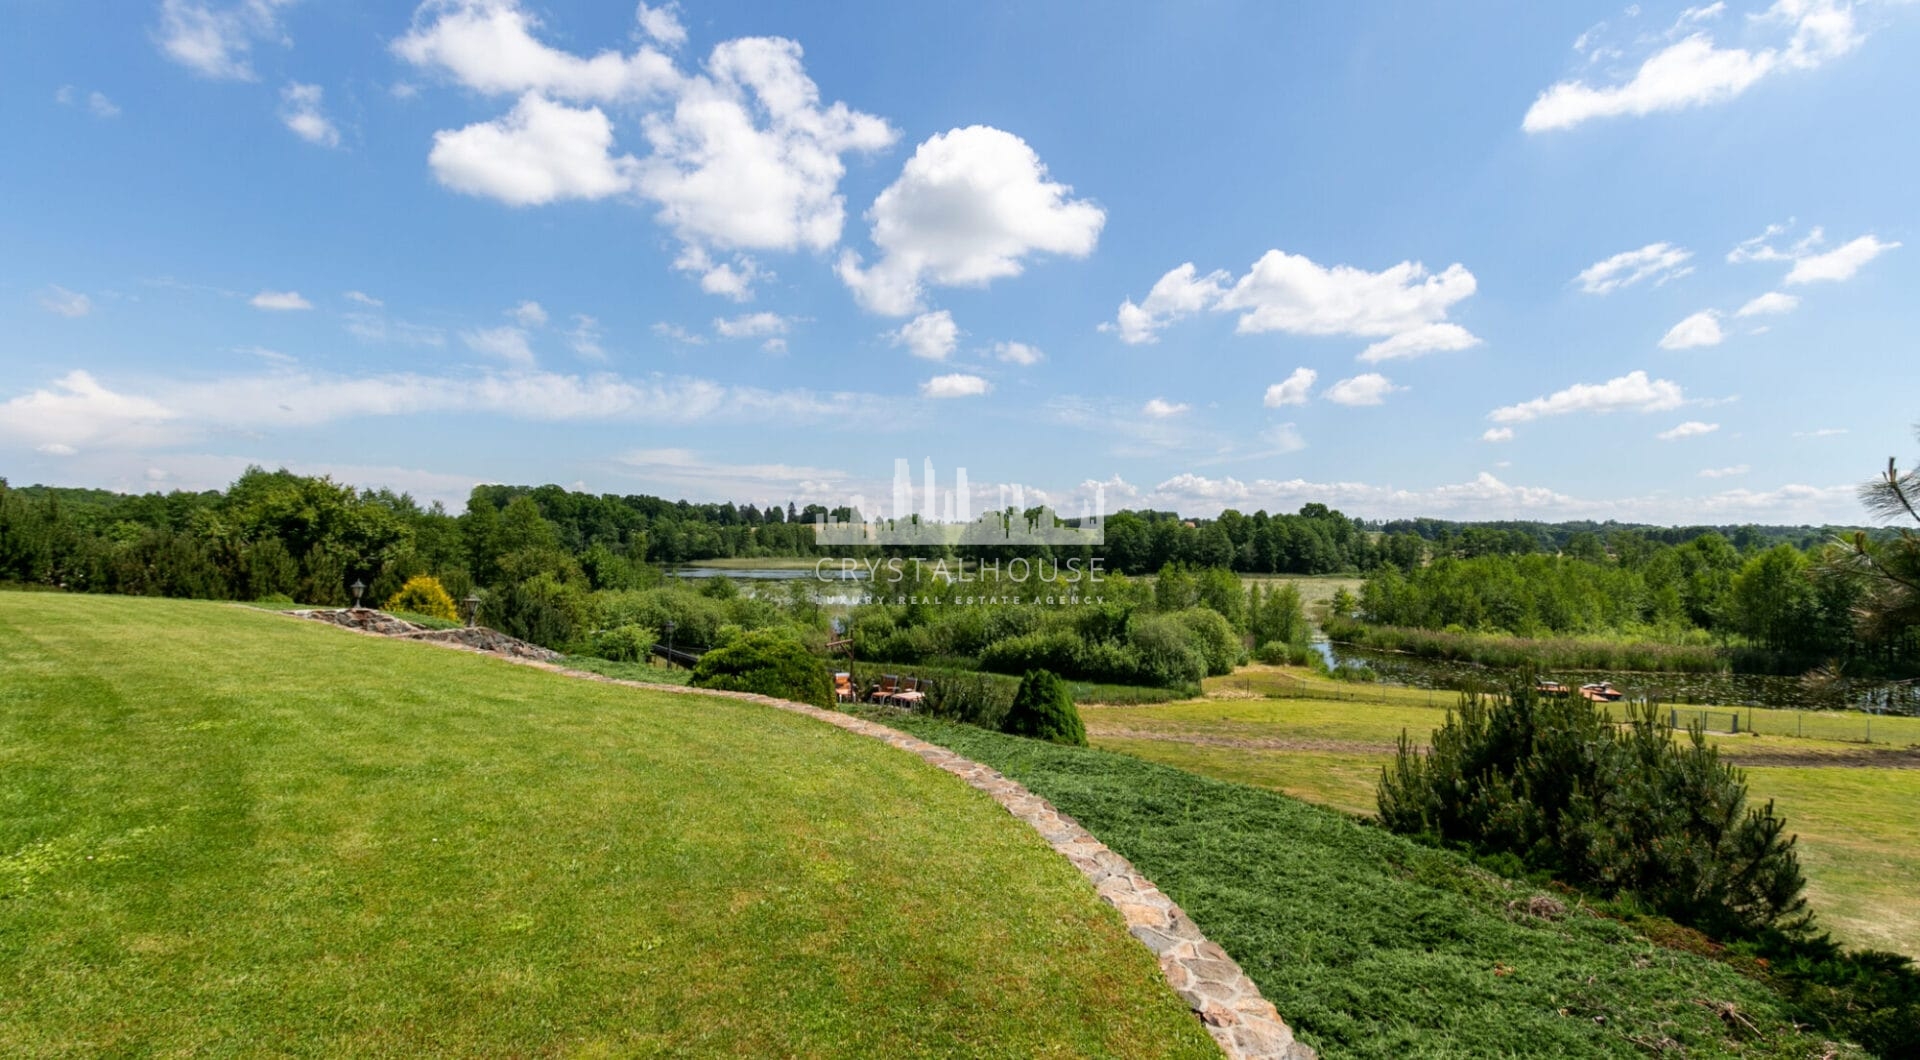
column 1550, row 261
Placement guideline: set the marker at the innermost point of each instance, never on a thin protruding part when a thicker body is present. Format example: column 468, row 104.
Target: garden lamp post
column 473, row 607
column 669, row 628
column 358, row 587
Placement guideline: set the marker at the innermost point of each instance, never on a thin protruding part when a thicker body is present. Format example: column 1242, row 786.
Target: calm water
column 1744, row 690
column 770, row 574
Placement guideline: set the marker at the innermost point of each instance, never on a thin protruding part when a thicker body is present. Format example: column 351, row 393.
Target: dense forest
column 1775, row 591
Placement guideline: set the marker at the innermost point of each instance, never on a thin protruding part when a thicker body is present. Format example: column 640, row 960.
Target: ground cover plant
column 1371, row 945
column 229, row 831
column 1326, row 742
column 1553, row 786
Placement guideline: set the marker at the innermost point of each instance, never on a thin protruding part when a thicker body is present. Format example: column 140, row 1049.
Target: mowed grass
column 1373, row 946
column 230, row 832
column 1860, row 849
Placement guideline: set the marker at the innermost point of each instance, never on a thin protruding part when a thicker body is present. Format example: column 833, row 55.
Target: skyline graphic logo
column 948, row 519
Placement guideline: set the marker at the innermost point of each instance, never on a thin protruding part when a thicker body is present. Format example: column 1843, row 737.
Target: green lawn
column 1859, row 840
column 230, row 832
column 1373, row 946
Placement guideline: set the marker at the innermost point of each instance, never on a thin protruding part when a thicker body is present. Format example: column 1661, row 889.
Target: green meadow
column 224, row 831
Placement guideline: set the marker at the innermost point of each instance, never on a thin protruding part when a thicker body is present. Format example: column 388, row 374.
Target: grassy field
column 1372, row 946
column 1858, row 842
column 230, row 832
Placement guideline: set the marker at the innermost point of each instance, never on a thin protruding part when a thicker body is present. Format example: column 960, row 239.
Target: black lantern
column 473, row 607
column 358, row 587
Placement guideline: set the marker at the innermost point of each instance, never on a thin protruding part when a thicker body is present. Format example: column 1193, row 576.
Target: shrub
column 769, row 663
column 1043, row 710
column 1212, row 635
column 424, row 595
column 1617, row 811
column 1167, row 658
column 1280, row 653
column 542, row 609
column 628, row 643
column 1052, row 651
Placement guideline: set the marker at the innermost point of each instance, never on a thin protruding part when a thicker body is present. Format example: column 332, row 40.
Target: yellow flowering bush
column 424, row 595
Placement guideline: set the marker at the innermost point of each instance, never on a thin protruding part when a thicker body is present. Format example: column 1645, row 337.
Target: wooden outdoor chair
column 911, row 696
column 843, row 690
column 884, row 691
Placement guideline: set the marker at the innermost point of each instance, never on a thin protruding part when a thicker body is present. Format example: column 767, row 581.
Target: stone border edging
column 1225, row 999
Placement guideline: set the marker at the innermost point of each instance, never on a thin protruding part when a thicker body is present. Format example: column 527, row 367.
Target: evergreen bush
column 1043, row 710
column 1616, row 810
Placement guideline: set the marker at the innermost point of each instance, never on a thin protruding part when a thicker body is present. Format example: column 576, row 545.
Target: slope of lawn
column 225, row 831
column 1373, row 946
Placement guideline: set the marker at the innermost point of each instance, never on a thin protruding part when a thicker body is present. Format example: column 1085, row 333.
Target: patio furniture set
column 891, row 689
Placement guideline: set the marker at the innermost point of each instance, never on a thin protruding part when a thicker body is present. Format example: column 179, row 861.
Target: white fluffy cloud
column 1404, row 305
column 929, row 335
column 537, row 153
column 1632, row 392
column 301, row 110
column 1295, row 389
column 751, row 326
column 528, row 314
column 729, row 279
column 76, row 412
column 742, row 155
column 1840, row 263
column 57, row 299
column 1019, row 353
column 955, row 385
column 364, row 299
column 1725, row 472
column 1810, row 263
column 1370, row 388
column 1689, row 429
column 489, row 46
column 1497, row 434
column 1700, row 329
column 1695, row 71
column 216, row 41
column 279, row 301
column 662, row 24
column 969, row 207
column 1428, row 338
column 1658, row 262
column 1773, row 303
column 1180, row 293
column 507, row 343
column 1160, row 408
column 748, row 158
